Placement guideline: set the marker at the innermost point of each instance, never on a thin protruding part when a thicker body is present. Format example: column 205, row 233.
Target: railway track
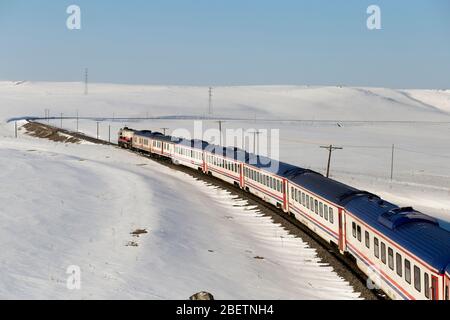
column 344, row 266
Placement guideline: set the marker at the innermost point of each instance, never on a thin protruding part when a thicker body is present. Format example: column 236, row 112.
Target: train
column 403, row 252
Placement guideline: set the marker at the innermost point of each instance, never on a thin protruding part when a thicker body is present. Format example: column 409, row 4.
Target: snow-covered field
column 70, row 204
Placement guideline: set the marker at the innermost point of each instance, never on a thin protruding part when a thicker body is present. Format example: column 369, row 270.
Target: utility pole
column 109, row 133
column 392, row 162
column 255, row 133
column 86, row 79
column 220, row 130
column 61, row 120
column 210, row 101
column 330, row 148
column 77, row 120
column 164, row 130
column 97, row 129
column 15, row 129
column 47, row 115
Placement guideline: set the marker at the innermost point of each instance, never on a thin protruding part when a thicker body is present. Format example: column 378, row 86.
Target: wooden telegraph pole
column 330, row 149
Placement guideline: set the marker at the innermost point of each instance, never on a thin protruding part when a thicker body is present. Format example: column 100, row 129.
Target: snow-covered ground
column 56, row 213
column 69, row 205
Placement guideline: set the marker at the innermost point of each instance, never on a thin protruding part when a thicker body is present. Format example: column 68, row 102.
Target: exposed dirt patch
column 132, row 244
column 137, row 233
column 38, row 130
column 258, row 258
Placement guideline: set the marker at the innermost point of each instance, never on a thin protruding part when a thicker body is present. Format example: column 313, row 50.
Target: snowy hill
column 264, row 102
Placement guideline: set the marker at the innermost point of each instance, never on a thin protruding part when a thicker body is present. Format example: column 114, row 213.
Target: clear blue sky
column 228, row 42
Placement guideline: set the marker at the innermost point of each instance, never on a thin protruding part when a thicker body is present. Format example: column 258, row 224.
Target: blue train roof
column 196, row 144
column 326, row 188
column 416, row 232
column 276, row 167
column 143, row 133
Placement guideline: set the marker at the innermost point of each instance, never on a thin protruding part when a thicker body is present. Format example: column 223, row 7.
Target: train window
column 367, row 239
column 312, row 203
column 303, row 198
column 321, row 209
column 316, row 206
column 408, row 271
column 417, row 281
column 292, row 193
column 307, row 201
column 296, row 195
column 376, row 247
column 280, row 186
column 398, row 259
column 446, row 293
column 354, row 229
column 331, row 215
column 391, row 258
column 325, row 211
column 359, row 233
column 426, row 286
column 383, row 252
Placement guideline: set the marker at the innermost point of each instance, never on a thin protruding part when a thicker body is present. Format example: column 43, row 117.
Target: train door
column 285, row 191
column 447, row 288
column 341, row 231
column 205, row 166
column 241, row 175
column 434, row 288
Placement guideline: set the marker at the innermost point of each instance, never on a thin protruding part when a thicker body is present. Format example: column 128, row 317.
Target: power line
column 330, row 149
column 210, row 111
column 86, row 80
column 255, row 133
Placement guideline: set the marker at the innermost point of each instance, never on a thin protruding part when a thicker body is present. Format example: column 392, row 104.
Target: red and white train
column 404, row 252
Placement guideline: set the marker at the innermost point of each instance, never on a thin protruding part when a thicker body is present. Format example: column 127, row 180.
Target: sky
column 228, row 42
